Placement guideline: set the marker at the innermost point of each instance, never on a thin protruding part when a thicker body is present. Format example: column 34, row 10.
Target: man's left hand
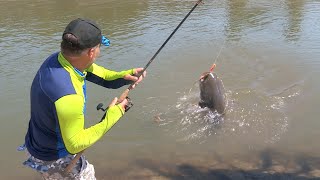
column 135, row 76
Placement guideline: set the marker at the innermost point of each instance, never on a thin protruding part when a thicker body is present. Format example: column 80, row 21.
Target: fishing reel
column 128, row 105
column 126, row 108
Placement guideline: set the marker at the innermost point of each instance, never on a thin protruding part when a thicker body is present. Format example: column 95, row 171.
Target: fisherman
column 56, row 129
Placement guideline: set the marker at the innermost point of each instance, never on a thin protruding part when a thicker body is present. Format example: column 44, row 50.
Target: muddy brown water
column 269, row 64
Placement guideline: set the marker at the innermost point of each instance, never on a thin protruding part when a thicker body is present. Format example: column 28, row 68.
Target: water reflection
column 29, row 15
column 236, row 13
column 292, row 31
column 244, row 17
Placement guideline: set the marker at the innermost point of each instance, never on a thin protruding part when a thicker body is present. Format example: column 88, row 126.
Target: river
column 267, row 54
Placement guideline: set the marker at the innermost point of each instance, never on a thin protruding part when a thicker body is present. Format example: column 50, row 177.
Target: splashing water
column 251, row 116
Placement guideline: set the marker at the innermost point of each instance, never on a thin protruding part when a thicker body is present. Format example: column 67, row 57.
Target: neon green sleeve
column 71, row 121
column 107, row 74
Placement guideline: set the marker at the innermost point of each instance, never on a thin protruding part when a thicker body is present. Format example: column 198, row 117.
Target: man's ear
column 91, row 53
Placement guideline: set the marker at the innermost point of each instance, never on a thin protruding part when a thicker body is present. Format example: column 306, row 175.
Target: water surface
column 267, row 55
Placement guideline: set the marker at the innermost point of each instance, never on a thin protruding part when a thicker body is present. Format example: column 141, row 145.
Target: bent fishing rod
column 124, row 95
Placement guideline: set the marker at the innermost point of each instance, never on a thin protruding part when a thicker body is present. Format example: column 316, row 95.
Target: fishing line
column 213, row 66
column 215, row 62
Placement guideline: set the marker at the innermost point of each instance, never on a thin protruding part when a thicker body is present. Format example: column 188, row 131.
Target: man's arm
column 71, row 122
column 107, row 78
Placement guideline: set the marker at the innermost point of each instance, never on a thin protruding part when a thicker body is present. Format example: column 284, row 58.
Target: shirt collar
column 66, row 64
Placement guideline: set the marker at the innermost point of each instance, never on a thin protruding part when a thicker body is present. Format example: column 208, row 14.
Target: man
column 58, row 103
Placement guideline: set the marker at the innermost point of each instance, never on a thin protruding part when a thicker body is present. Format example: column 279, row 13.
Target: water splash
column 251, row 116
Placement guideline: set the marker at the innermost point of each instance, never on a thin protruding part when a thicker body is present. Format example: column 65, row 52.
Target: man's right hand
column 122, row 104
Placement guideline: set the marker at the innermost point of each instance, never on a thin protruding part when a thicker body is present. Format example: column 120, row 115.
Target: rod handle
column 73, row 162
column 124, row 95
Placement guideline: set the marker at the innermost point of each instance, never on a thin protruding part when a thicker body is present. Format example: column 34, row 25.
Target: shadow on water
column 299, row 163
column 271, row 165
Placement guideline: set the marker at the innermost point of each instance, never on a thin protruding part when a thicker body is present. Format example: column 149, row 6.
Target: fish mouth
column 204, row 76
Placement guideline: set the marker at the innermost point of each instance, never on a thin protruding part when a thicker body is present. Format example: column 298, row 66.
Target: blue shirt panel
column 43, row 138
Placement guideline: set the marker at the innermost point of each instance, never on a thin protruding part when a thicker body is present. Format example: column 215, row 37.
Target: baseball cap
column 87, row 32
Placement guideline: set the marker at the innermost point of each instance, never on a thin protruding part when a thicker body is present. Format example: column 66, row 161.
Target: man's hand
column 135, row 76
column 122, row 104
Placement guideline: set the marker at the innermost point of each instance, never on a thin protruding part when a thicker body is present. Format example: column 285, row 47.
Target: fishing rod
column 124, row 95
column 126, row 92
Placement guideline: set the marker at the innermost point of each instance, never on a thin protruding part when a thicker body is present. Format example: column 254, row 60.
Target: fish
column 212, row 92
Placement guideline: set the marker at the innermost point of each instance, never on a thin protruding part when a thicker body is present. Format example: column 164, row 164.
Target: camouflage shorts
column 51, row 170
